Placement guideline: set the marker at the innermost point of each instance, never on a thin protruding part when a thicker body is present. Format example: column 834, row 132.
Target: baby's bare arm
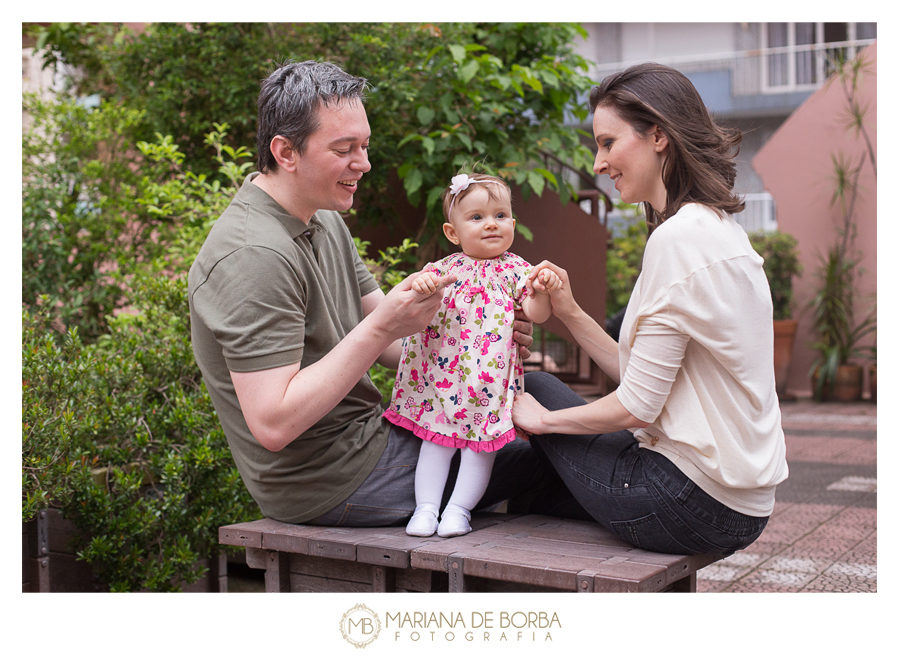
column 536, row 305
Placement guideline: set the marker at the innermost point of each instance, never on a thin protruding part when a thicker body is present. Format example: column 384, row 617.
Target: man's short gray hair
column 289, row 101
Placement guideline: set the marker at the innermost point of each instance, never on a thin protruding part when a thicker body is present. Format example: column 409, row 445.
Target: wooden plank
column 565, row 530
column 566, row 548
column 278, row 575
column 418, row 580
column 456, row 566
column 677, row 566
column 289, row 538
column 629, row 577
column 240, row 534
column 329, row 568
column 40, row 574
column 390, row 549
column 313, row 584
column 433, row 555
column 256, row 558
column 502, row 562
column 382, row 578
column 487, row 585
column 686, row 584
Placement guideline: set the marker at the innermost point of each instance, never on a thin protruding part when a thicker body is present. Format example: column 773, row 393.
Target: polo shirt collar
column 294, row 226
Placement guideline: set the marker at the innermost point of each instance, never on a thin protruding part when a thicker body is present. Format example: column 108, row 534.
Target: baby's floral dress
column 457, row 379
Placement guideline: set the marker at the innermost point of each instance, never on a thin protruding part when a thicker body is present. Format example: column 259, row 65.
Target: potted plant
column 781, row 264
column 838, row 336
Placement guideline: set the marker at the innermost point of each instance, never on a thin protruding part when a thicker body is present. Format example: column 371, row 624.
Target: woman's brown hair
column 699, row 166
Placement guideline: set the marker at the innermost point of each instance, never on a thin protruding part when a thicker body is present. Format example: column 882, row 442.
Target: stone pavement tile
column 766, row 547
column 802, row 565
column 865, row 552
column 862, row 428
column 863, row 453
column 796, row 522
column 758, row 586
column 855, row 521
column 818, row 546
column 809, row 411
column 830, row 450
column 711, row 586
column 846, row 577
column 781, row 506
column 794, row 580
column 733, row 567
column 809, row 483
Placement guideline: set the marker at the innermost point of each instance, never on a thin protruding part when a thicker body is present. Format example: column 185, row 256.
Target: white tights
column 434, row 466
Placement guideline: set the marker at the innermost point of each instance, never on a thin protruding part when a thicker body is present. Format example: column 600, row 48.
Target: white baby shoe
column 424, row 521
column 454, row 521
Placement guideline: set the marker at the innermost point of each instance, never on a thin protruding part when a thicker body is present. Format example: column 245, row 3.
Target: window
column 802, row 55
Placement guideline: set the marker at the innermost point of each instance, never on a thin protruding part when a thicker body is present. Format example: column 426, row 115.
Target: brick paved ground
column 822, row 535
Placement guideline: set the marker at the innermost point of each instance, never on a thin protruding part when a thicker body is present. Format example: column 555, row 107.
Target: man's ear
column 450, row 232
column 284, row 153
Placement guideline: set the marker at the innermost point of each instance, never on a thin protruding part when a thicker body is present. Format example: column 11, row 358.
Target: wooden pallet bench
column 503, row 553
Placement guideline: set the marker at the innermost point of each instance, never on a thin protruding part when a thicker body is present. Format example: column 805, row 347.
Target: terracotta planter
column 847, row 385
column 785, row 330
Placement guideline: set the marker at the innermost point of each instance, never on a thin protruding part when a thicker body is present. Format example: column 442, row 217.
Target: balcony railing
column 759, row 213
column 760, row 71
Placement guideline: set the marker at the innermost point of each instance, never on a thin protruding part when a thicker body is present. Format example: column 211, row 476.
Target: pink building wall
column 796, row 168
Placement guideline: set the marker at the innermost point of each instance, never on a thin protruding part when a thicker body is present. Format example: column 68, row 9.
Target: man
column 286, row 321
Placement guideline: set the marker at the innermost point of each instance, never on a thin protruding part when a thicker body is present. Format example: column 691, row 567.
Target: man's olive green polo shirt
column 265, row 291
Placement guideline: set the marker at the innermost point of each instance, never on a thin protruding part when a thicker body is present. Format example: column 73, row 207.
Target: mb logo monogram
column 360, row 626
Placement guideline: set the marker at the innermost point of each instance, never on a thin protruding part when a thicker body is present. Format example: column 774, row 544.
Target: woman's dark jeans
column 638, row 494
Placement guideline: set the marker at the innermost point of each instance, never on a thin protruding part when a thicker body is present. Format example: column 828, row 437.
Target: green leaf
column 458, row 52
column 412, row 182
column 467, row 72
column 425, row 114
column 548, row 175
column 525, row 232
column 536, row 181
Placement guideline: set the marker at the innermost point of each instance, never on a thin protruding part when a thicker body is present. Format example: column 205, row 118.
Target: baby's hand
column 426, row 283
column 546, row 281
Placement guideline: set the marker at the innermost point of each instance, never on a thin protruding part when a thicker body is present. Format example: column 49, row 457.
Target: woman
column 684, row 456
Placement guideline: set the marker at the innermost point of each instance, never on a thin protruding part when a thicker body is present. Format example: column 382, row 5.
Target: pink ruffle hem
column 449, row 441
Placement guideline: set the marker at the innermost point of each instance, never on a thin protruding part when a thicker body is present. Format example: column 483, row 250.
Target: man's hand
column 522, row 330
column 404, row 311
column 426, row 283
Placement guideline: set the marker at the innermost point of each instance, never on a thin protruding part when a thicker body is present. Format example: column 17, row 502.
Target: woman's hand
column 561, row 298
column 547, row 280
column 527, row 414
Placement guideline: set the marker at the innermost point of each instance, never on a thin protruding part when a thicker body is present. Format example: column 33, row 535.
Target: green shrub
column 623, row 260
column 118, row 430
column 123, row 437
column 79, row 223
column 502, row 95
column 781, row 262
